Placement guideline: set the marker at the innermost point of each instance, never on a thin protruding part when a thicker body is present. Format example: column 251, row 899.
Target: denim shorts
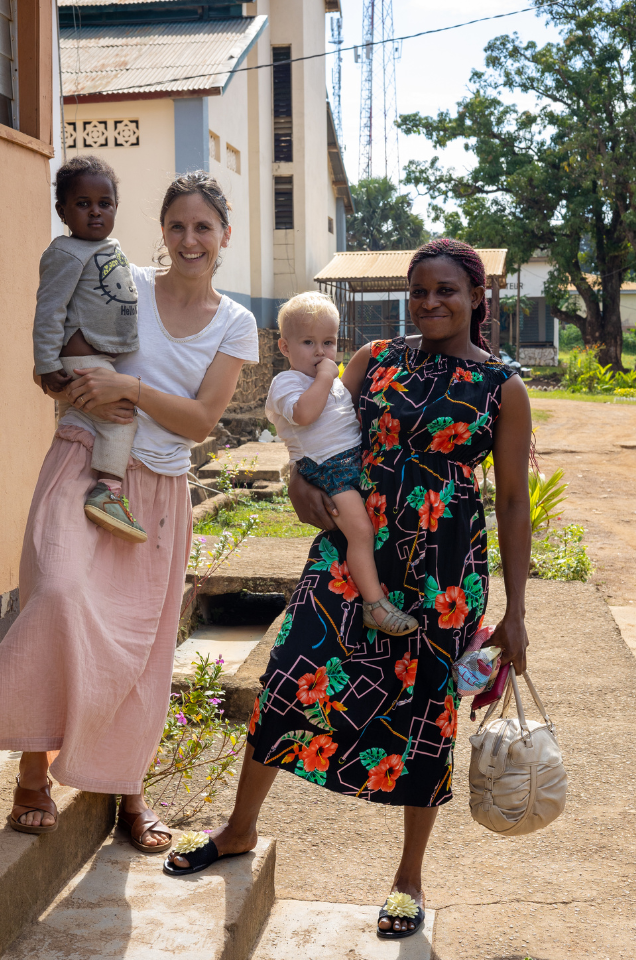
column 337, row 474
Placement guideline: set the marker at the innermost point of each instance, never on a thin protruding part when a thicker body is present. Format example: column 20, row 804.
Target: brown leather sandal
column 35, row 800
column 139, row 823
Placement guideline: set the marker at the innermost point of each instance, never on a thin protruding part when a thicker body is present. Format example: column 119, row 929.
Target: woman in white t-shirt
column 85, row 671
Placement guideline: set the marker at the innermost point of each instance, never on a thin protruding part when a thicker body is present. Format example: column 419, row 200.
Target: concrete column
column 341, row 225
column 191, row 135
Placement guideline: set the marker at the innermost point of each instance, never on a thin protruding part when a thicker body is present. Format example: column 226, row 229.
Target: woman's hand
column 120, row 411
column 312, row 505
column 510, row 634
column 98, row 386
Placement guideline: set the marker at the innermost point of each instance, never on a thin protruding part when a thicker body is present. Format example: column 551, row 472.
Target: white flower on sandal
column 190, row 841
column 401, row 905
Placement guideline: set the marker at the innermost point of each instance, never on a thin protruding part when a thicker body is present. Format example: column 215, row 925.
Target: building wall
column 227, row 120
column 300, row 253
column 144, row 171
column 26, row 415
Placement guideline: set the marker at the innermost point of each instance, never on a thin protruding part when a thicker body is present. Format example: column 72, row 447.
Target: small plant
column 210, row 557
column 559, row 555
column 227, row 481
column 545, row 497
column 629, row 341
column 195, row 736
column 562, row 556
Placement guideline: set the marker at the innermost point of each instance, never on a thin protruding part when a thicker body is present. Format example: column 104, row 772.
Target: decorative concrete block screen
column 94, row 134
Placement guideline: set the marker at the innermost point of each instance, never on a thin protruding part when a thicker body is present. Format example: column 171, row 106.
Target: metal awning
column 385, row 270
column 150, row 60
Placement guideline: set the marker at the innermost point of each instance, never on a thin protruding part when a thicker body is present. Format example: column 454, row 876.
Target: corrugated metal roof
column 155, row 58
column 386, row 269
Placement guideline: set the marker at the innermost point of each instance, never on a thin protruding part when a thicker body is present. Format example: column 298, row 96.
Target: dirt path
column 565, row 893
column 595, row 444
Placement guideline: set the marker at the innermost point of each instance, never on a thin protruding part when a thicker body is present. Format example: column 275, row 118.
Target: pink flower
column 181, row 719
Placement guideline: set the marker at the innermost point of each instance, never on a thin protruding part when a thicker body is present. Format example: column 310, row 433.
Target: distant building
column 539, row 331
column 162, row 87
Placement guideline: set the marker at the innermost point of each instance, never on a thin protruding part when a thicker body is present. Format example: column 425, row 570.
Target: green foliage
column 383, row 219
column 571, row 337
column 629, row 341
column 562, row 556
column 554, row 173
column 509, row 305
column 585, row 374
column 195, row 736
column 559, row 555
column 276, row 518
column 545, row 497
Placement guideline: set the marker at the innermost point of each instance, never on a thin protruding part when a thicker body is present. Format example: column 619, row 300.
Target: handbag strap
column 537, row 699
column 513, row 687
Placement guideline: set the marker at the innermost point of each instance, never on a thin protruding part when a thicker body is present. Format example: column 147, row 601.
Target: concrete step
column 123, row 907
column 261, row 565
column 33, row 869
column 272, row 462
column 233, row 644
column 241, row 681
column 335, row 931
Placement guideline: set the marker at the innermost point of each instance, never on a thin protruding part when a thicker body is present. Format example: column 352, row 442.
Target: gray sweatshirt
column 85, row 285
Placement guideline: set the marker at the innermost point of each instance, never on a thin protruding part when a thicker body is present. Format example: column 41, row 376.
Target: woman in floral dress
column 351, row 708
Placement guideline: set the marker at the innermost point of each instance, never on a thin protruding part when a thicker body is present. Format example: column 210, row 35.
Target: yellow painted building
column 27, row 145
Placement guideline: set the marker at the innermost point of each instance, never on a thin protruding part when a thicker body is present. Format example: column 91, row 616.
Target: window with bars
column 283, row 140
column 283, row 203
column 233, row 158
column 8, row 65
column 215, row 147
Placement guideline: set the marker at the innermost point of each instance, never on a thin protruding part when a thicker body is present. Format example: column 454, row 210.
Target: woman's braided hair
column 207, row 187
column 469, row 260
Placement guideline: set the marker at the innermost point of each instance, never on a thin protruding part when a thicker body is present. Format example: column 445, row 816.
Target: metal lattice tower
column 378, row 97
column 336, row 75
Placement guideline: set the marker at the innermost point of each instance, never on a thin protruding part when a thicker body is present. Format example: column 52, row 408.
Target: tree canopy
column 383, row 219
column 559, row 177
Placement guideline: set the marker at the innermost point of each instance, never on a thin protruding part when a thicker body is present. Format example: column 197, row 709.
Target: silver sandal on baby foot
column 395, row 622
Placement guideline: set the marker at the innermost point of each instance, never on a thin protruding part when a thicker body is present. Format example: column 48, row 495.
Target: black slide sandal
column 417, row 919
column 200, row 851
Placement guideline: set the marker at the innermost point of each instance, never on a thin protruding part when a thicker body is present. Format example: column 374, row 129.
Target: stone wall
column 539, row 356
column 255, row 378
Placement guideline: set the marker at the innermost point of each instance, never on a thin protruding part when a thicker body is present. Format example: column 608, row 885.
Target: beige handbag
column 517, row 780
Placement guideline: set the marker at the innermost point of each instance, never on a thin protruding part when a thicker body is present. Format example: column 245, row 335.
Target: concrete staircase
column 34, row 869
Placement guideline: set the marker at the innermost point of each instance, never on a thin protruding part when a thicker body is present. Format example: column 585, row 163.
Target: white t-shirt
column 177, row 366
column 336, row 429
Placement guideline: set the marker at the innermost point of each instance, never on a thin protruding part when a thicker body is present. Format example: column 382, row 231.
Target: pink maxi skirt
column 86, row 668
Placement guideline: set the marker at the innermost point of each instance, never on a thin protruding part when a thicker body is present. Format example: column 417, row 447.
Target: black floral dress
column 350, row 708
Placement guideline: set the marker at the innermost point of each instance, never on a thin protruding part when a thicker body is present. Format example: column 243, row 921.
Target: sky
column 433, row 73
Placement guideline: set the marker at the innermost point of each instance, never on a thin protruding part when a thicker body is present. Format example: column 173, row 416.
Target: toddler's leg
column 111, row 450
column 354, row 522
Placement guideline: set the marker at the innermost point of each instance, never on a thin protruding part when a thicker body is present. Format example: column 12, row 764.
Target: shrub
column 545, row 497
column 557, row 556
column 570, row 337
column 195, row 736
column 629, row 341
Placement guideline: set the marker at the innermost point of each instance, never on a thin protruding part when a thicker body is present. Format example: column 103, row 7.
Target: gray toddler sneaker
column 107, row 510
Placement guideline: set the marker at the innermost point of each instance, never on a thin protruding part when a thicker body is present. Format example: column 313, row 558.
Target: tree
column 559, row 177
column 383, row 219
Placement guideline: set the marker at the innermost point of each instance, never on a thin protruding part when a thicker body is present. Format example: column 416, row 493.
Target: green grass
column 276, row 519
column 567, row 395
column 541, row 416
